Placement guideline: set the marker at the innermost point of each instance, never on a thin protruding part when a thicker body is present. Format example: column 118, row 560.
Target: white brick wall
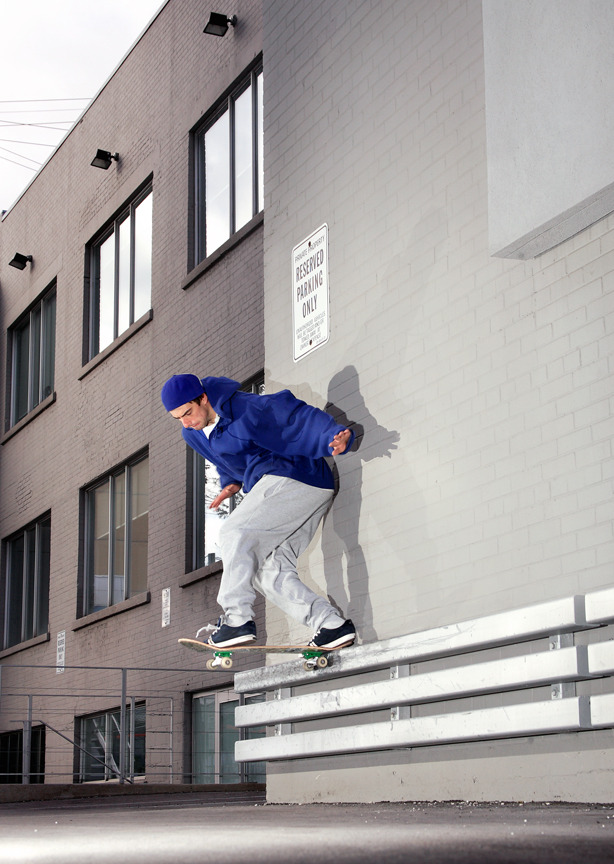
column 496, row 375
column 484, row 481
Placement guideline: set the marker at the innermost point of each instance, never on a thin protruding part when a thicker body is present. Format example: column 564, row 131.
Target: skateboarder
column 273, row 447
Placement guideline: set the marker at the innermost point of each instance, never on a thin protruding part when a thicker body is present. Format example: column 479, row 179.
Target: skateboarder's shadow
column 340, row 533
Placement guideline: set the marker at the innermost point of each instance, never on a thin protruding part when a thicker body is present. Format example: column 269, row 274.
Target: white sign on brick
column 166, row 607
column 310, row 293
column 60, row 652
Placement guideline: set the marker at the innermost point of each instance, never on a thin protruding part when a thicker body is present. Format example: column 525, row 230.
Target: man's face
column 193, row 415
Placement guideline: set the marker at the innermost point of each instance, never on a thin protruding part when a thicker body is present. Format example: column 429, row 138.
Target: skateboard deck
column 315, row 658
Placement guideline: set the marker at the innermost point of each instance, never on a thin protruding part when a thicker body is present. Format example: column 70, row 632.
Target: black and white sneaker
column 225, row 636
column 335, row 637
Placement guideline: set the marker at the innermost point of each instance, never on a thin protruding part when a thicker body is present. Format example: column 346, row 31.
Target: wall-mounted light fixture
column 217, row 25
column 103, row 159
column 19, row 261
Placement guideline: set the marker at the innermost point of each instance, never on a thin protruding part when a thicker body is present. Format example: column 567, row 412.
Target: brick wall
column 484, row 386
column 493, row 375
column 172, row 77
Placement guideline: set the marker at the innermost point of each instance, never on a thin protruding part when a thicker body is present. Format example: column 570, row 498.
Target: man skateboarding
column 273, row 447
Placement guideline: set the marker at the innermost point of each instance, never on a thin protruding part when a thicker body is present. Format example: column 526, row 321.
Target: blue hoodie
column 257, row 435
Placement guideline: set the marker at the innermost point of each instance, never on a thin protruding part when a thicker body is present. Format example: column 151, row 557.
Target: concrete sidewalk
column 190, row 828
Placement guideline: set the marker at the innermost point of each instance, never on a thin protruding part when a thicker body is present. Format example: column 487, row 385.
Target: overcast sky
column 55, row 56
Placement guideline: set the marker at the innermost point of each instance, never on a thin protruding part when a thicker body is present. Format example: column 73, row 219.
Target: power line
column 69, row 99
column 37, row 110
column 12, row 161
column 44, row 125
column 28, row 143
column 50, row 125
column 20, row 156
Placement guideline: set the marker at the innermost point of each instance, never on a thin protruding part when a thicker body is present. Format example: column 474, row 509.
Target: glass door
column 214, row 735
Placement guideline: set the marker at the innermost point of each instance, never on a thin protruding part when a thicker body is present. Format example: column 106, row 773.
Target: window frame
column 41, row 368
column 112, row 228
column 251, row 78
column 34, row 590
column 123, row 471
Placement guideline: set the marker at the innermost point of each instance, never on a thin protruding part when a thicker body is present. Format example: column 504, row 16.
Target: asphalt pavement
column 190, row 828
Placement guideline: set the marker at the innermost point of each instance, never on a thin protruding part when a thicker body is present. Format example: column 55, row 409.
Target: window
column 213, row 740
column 229, row 166
column 11, row 756
column 26, row 586
column 205, row 487
column 100, row 756
column 117, row 521
column 120, row 273
column 32, row 357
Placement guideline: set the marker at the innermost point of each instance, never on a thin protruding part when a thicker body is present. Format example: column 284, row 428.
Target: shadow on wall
column 340, row 532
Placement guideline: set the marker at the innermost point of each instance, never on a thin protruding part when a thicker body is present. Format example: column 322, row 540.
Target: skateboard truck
column 220, row 658
column 315, row 658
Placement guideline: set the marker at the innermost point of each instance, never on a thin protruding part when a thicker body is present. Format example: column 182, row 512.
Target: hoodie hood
column 219, row 391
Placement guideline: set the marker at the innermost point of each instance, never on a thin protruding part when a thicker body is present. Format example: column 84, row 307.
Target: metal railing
column 442, row 686
column 116, row 762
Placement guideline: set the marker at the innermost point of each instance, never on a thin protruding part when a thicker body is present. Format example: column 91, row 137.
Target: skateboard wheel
column 322, row 662
column 309, row 665
column 210, row 665
column 226, row 662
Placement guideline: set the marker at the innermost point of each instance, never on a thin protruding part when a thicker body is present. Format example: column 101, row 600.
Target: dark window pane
column 139, row 516
column 15, row 590
column 21, row 370
column 42, row 606
column 48, row 349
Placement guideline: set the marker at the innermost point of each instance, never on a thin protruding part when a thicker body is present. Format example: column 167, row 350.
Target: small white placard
column 166, row 607
column 310, row 293
column 60, row 652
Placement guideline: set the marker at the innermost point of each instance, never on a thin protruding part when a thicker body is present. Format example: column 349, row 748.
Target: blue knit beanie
column 180, row 389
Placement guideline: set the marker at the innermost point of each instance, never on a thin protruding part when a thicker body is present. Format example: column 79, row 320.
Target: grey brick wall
column 484, row 386
column 172, row 77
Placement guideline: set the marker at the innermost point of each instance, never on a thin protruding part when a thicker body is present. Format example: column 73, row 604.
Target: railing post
column 27, row 745
column 400, row 712
column 132, row 736
column 122, row 730
column 561, row 689
column 283, row 693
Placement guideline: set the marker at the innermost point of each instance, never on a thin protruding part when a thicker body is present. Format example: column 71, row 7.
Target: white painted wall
column 484, row 385
column 549, row 119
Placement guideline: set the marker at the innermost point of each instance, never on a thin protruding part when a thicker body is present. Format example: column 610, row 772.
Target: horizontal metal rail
column 414, row 694
column 533, row 670
column 515, row 626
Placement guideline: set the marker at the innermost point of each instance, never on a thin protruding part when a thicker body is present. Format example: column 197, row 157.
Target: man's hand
column 340, row 442
column 227, row 492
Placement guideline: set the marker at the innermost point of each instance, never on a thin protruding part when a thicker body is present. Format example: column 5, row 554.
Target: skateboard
column 315, row 658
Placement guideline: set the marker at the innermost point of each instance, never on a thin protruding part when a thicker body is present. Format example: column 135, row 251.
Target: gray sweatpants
column 260, row 542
